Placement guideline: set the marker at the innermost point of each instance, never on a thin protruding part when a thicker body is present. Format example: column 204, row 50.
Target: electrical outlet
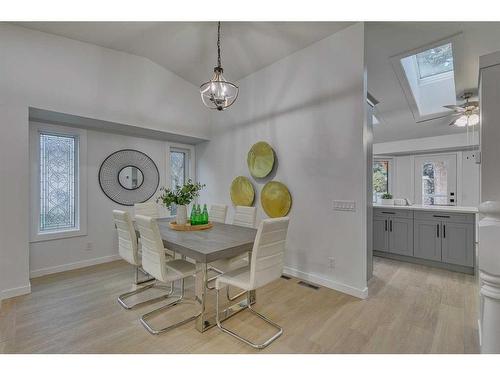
column 331, row 263
column 89, row 246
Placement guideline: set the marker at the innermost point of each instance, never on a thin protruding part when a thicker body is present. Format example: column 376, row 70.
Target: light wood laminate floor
column 411, row 309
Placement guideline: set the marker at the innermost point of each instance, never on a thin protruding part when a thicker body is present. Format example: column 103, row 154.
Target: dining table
column 222, row 241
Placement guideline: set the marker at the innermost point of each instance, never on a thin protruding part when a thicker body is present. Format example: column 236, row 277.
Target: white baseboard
column 14, row 292
column 73, row 266
column 356, row 292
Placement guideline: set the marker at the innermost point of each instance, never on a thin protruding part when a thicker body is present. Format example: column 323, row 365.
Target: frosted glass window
column 435, row 61
column 58, row 182
column 178, row 170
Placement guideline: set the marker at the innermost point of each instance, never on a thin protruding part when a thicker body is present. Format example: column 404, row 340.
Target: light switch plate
column 344, row 205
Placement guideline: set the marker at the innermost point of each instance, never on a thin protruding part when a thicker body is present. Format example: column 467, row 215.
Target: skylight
column 430, row 80
column 435, row 61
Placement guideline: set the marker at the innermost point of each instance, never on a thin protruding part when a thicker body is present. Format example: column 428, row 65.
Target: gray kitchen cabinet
column 380, row 237
column 458, row 243
column 393, row 232
column 401, row 236
column 432, row 237
column 427, row 243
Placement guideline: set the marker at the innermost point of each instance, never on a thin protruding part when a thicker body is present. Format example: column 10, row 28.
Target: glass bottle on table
column 197, row 215
column 193, row 215
column 204, row 215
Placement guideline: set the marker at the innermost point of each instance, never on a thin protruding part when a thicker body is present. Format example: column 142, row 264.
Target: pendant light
column 218, row 93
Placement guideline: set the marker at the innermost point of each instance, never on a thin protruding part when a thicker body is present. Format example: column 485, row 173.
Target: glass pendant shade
column 218, row 93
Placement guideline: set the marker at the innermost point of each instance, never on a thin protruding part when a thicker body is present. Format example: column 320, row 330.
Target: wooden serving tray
column 189, row 227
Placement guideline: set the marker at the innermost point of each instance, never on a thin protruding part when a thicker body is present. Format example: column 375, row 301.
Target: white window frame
column 190, row 150
column 456, row 43
column 81, row 185
column 456, row 157
column 391, row 170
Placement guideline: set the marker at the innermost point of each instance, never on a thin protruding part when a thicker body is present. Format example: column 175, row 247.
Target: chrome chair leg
column 157, row 331
column 235, row 335
column 124, row 296
column 136, row 277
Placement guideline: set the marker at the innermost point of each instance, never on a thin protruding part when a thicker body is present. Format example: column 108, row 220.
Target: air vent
column 303, row 283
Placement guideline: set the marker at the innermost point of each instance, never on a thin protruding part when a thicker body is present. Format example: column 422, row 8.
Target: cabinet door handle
column 442, row 216
column 386, row 225
column 444, row 230
column 391, row 225
column 389, row 213
column 437, row 229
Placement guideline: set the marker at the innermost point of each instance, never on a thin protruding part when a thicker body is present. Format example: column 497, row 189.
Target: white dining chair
column 218, row 213
column 147, row 209
column 245, row 216
column 266, row 265
column 130, row 251
column 156, row 263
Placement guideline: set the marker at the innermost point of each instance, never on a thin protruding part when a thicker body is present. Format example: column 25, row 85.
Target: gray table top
column 205, row 246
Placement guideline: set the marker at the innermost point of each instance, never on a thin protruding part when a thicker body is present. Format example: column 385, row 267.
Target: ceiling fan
column 466, row 114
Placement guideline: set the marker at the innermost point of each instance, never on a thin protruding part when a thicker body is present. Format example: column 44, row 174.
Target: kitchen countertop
column 419, row 207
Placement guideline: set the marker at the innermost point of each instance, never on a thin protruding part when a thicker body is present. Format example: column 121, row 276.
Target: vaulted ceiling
column 387, row 39
column 189, row 49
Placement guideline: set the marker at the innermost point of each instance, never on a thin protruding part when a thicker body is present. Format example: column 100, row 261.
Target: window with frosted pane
column 435, row 61
column 58, row 179
column 178, row 171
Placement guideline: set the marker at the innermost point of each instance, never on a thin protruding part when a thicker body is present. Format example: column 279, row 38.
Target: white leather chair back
column 218, row 213
column 268, row 252
column 245, row 216
column 153, row 252
column 127, row 239
column 146, row 209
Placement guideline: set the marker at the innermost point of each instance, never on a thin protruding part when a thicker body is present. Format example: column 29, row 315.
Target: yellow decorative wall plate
column 260, row 159
column 275, row 199
column 242, row 192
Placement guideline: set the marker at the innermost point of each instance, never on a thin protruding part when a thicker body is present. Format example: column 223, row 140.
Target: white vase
column 387, row 202
column 181, row 215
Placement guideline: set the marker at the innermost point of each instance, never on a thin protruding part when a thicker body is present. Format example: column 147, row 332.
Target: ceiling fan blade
column 455, row 108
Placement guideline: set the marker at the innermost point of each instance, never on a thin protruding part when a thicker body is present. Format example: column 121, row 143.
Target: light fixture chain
column 218, row 45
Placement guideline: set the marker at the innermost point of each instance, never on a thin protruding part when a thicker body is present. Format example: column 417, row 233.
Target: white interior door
column 436, row 180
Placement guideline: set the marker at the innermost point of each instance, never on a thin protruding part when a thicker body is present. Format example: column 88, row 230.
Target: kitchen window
column 382, row 178
column 436, row 180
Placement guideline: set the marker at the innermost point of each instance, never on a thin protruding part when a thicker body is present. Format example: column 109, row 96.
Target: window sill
column 50, row 236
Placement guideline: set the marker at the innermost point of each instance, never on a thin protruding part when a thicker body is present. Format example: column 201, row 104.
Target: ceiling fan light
column 473, row 119
column 461, row 121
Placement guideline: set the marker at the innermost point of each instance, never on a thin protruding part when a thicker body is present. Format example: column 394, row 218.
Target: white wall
column 310, row 106
column 426, row 144
column 403, row 177
column 100, row 244
column 64, row 75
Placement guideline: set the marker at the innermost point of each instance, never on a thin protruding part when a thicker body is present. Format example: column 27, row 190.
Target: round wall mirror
column 130, row 177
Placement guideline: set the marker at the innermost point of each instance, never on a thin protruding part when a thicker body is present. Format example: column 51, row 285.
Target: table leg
column 206, row 301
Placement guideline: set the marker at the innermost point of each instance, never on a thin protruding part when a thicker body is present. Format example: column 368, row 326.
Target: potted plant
column 181, row 196
column 387, row 199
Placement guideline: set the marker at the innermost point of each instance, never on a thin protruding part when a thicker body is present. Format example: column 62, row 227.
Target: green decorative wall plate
column 260, row 159
column 242, row 192
column 275, row 199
